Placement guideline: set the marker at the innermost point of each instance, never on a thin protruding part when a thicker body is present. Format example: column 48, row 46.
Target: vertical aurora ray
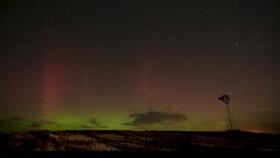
column 148, row 73
column 52, row 83
column 86, row 90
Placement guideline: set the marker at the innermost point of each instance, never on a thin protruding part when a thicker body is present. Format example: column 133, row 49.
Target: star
column 236, row 44
column 223, row 69
column 45, row 28
column 27, row 90
column 21, row 74
column 259, row 45
column 61, row 69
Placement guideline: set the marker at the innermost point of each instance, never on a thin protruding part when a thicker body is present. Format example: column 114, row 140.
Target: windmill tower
column 226, row 99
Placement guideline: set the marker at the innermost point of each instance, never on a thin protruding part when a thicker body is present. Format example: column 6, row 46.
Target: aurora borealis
column 139, row 64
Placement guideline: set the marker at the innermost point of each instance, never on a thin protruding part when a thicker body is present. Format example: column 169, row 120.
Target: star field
column 139, row 64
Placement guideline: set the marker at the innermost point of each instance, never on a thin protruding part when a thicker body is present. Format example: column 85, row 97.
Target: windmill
column 226, row 99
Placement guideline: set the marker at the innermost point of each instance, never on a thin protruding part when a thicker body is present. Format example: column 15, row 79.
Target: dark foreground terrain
column 138, row 141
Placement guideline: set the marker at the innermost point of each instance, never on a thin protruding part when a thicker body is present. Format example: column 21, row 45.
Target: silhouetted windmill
column 225, row 98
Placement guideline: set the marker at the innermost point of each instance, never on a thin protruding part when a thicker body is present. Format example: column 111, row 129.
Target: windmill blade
column 224, row 98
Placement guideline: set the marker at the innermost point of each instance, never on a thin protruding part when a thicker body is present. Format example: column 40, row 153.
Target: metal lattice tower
column 226, row 99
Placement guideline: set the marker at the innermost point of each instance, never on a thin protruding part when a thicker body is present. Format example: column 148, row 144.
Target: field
column 139, row 141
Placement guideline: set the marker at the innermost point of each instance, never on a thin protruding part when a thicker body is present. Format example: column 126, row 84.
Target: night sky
column 139, row 64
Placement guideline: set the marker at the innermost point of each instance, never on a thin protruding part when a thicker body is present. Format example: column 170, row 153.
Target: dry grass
column 136, row 141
